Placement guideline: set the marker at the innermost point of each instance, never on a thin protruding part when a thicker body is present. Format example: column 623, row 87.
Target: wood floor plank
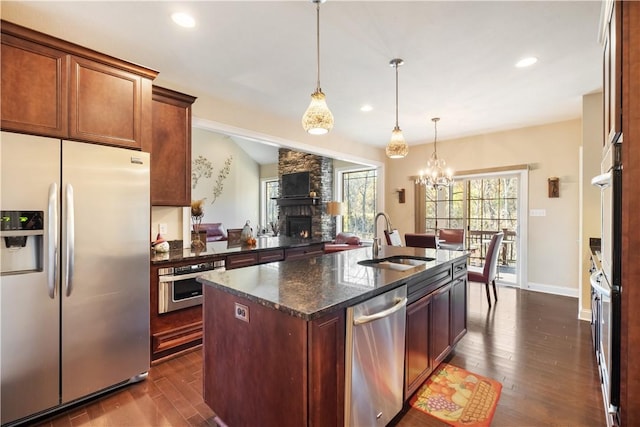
column 531, row 342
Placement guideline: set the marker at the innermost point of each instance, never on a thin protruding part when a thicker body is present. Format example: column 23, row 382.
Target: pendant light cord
column 318, row 44
column 396, row 67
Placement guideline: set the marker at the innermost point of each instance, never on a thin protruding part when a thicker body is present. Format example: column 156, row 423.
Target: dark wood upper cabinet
column 34, row 87
column 55, row 88
column 171, row 148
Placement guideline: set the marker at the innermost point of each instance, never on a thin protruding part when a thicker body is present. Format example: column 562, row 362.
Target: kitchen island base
column 273, row 368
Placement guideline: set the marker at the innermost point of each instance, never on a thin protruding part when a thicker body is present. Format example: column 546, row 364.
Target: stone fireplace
column 321, row 224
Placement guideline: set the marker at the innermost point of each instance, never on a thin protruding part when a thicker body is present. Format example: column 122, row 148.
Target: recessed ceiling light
column 183, row 19
column 366, row 108
column 526, row 62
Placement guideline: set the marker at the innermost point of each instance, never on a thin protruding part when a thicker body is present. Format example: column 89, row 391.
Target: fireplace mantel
column 297, row 201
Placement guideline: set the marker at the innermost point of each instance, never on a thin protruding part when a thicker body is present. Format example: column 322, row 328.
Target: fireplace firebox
column 299, row 226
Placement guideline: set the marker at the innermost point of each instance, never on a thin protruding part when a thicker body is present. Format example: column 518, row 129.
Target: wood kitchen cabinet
column 55, row 88
column 295, row 366
column 418, row 360
column 171, row 148
column 458, row 321
column 436, row 321
column 35, row 81
column 612, row 72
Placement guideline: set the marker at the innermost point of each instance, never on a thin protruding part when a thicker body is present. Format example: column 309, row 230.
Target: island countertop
column 310, row 288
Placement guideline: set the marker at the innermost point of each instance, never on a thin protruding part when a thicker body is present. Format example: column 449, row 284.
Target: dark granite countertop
column 222, row 248
column 309, row 288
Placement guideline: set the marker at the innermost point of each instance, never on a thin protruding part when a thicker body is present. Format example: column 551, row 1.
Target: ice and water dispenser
column 22, row 243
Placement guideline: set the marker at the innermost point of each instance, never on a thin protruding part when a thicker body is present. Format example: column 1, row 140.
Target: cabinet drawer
column 460, row 268
column 304, row 252
column 241, row 260
column 271, row 256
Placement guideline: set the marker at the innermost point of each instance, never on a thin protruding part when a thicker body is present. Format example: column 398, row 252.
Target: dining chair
column 393, row 237
column 489, row 271
column 420, row 240
column 451, row 238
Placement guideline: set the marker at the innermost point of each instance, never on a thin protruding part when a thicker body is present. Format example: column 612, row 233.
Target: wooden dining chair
column 451, row 238
column 488, row 273
column 393, row 237
column 420, row 240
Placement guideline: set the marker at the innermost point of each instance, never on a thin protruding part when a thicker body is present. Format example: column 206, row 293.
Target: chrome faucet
column 387, row 223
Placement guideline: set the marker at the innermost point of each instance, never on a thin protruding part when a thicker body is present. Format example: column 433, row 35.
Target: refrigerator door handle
column 52, row 250
column 69, row 240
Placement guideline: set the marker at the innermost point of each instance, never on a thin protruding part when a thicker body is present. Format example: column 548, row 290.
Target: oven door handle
column 177, row 277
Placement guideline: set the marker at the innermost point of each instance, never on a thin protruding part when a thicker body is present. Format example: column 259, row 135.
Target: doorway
column 484, row 204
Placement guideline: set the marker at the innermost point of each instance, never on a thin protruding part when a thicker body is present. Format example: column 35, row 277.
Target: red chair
column 417, row 240
column 452, row 238
column 488, row 274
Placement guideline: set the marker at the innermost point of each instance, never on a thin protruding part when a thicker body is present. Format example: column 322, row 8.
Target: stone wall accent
column 321, row 180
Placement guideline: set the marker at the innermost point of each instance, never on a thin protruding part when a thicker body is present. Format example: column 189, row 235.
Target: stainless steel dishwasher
column 375, row 359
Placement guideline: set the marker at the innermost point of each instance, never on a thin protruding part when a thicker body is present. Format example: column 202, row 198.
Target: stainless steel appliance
column 607, row 283
column 74, row 291
column 374, row 379
column 178, row 287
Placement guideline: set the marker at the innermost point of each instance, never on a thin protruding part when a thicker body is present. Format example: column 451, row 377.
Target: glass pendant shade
column 397, row 147
column 317, row 120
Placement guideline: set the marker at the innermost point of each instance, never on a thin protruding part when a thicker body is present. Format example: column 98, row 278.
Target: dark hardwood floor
column 531, row 342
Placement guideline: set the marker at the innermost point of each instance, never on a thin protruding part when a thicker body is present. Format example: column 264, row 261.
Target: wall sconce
column 401, row 195
column 334, row 208
column 554, row 186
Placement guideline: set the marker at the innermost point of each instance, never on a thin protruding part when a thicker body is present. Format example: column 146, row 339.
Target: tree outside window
column 359, row 194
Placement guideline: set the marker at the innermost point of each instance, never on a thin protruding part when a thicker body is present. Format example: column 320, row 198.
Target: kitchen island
column 274, row 334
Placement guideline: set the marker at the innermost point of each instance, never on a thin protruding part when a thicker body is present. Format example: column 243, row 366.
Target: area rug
column 458, row 397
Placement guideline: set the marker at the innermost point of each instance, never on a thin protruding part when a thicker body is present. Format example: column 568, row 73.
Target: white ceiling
column 459, row 57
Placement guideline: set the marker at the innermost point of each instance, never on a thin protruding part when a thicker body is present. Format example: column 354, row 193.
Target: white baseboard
column 552, row 289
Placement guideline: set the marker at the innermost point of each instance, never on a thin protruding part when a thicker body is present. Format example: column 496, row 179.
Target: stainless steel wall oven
column 178, row 287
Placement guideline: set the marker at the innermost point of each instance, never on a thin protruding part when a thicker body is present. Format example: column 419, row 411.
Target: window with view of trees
column 271, row 190
column 359, row 193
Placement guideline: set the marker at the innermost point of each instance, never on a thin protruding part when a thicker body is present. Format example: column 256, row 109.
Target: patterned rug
column 458, row 397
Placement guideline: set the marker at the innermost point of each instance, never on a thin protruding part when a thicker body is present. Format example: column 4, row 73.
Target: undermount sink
column 397, row 262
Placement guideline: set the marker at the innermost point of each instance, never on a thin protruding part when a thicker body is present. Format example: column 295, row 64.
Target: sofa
column 343, row 242
column 215, row 231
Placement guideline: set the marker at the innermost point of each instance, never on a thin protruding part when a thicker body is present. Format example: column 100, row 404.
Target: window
column 359, row 197
column 270, row 191
column 444, row 207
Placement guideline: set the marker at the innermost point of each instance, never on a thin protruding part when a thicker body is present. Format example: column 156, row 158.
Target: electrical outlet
column 242, row 312
column 162, row 228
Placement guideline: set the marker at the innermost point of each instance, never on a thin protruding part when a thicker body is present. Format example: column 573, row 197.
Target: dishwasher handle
column 400, row 303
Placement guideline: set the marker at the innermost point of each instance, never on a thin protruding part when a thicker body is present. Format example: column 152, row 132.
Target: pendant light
column 317, row 120
column 436, row 174
column 397, row 147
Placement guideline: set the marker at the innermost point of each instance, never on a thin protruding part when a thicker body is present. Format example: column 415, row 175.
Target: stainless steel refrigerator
column 74, row 287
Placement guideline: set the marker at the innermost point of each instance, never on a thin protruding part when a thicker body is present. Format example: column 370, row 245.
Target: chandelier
column 317, row 120
column 397, row 147
column 436, row 174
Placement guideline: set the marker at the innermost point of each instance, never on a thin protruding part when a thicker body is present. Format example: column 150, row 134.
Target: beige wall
column 549, row 150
